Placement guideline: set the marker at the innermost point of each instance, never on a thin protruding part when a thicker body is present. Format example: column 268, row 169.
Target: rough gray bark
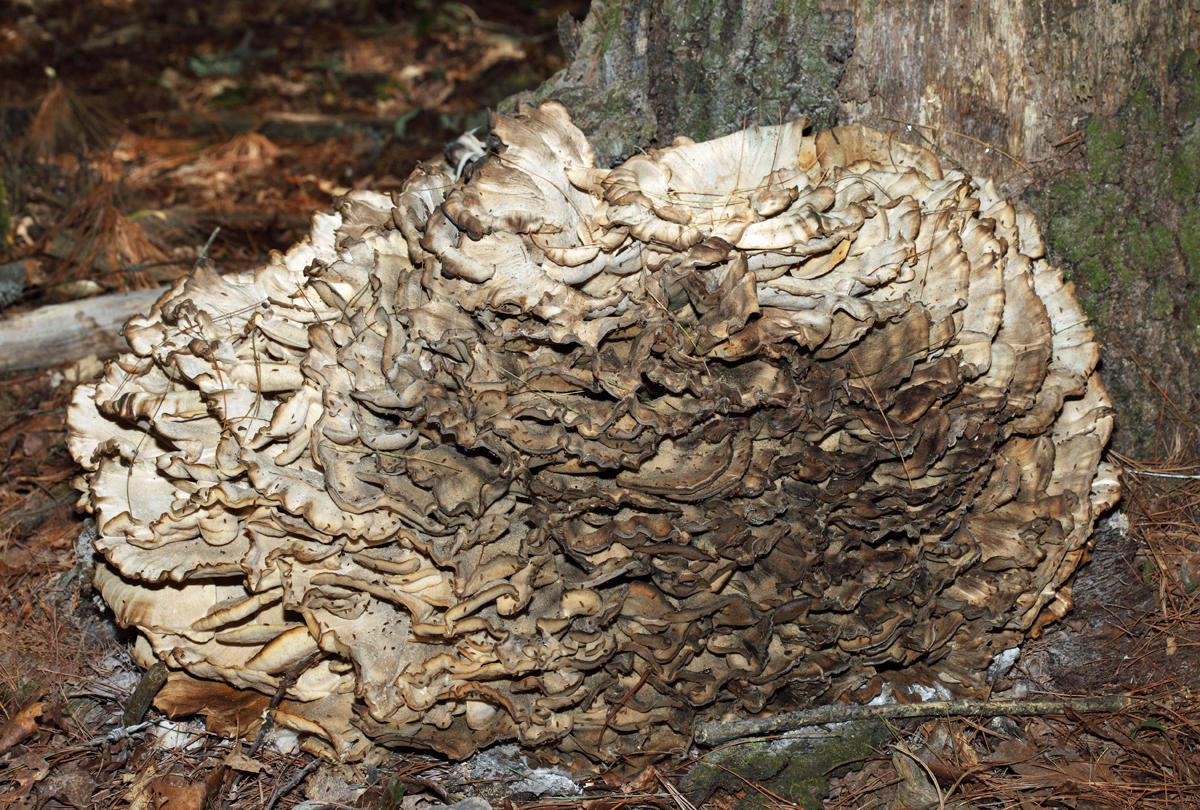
column 1089, row 109
column 643, row 71
column 1018, row 76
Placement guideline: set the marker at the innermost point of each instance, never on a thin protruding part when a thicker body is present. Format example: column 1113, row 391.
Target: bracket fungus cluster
column 542, row 451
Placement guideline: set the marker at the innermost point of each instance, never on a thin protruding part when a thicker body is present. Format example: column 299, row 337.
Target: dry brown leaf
column 21, row 726
column 172, row 792
column 1011, row 751
column 241, row 762
column 337, row 785
column 70, row 783
column 32, row 768
column 16, row 561
column 226, row 710
column 34, row 443
column 915, row 790
column 138, row 795
column 1064, row 776
column 644, row 782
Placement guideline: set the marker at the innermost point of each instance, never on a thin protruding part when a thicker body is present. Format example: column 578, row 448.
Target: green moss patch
column 1129, row 218
column 797, row 769
column 1104, row 145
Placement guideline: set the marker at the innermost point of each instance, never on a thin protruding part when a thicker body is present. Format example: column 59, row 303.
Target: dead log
column 63, row 333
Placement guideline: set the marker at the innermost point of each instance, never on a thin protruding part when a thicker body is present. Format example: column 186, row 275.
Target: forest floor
column 130, row 132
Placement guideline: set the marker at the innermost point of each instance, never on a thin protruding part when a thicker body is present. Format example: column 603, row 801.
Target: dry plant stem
column 291, row 784
column 984, row 144
column 285, row 683
column 268, row 722
column 204, row 250
column 717, row 733
column 1137, row 468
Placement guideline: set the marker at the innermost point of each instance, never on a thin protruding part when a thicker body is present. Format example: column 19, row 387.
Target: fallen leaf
column 1065, row 777
column 70, row 784
column 338, row 785
column 241, row 762
column 33, row 768
column 17, row 561
column 227, row 711
column 175, row 792
column 34, row 443
column 645, row 782
column 21, row 726
column 1010, row 751
column 138, row 795
column 915, row 790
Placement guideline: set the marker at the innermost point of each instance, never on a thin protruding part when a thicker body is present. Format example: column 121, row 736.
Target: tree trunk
column 1088, row 109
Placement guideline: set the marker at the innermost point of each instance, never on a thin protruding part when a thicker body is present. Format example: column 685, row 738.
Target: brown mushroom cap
column 577, row 456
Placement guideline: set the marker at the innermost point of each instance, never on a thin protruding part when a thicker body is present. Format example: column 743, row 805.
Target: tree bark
column 1087, row 109
column 643, row 71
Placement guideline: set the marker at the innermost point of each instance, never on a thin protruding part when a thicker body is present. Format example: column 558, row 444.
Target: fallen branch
column 63, row 333
column 152, row 681
column 716, row 733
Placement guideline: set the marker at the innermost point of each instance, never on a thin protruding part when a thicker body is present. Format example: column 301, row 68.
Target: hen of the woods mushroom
column 576, row 456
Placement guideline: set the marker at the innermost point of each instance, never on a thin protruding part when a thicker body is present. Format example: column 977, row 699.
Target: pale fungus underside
column 578, row 456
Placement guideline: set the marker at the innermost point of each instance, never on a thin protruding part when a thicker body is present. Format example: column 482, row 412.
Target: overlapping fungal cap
column 576, row 456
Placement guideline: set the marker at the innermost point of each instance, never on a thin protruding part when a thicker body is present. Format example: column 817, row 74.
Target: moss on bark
column 1125, row 223
column 643, row 72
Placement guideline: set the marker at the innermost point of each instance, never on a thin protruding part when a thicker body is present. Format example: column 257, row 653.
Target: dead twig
column 152, row 680
column 285, row 683
column 716, row 733
column 290, row 785
column 987, row 146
